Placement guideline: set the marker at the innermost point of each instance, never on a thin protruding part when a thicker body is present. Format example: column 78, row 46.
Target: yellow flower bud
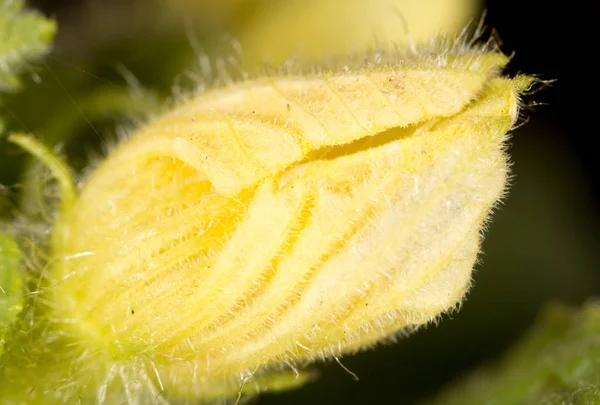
column 286, row 219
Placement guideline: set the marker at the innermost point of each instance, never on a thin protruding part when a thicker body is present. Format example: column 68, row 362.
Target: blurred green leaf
column 25, row 35
column 10, row 284
column 556, row 363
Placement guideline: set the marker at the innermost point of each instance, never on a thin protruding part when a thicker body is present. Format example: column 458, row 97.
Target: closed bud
column 285, row 219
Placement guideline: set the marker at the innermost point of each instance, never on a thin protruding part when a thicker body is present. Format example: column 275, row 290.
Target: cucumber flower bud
column 284, row 219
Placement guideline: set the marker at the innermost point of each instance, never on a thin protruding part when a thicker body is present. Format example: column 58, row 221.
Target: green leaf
column 10, row 284
column 24, row 36
column 557, row 362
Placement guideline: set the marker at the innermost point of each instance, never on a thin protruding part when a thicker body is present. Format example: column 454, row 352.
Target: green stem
column 58, row 168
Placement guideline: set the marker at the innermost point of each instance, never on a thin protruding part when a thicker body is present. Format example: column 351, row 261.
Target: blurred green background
column 115, row 62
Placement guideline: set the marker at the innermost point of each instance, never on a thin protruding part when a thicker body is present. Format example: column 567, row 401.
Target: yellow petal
column 286, row 219
column 239, row 135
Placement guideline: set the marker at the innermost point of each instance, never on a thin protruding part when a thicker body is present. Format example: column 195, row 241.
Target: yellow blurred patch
column 314, row 29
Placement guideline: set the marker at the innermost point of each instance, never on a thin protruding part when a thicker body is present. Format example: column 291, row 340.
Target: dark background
column 542, row 246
